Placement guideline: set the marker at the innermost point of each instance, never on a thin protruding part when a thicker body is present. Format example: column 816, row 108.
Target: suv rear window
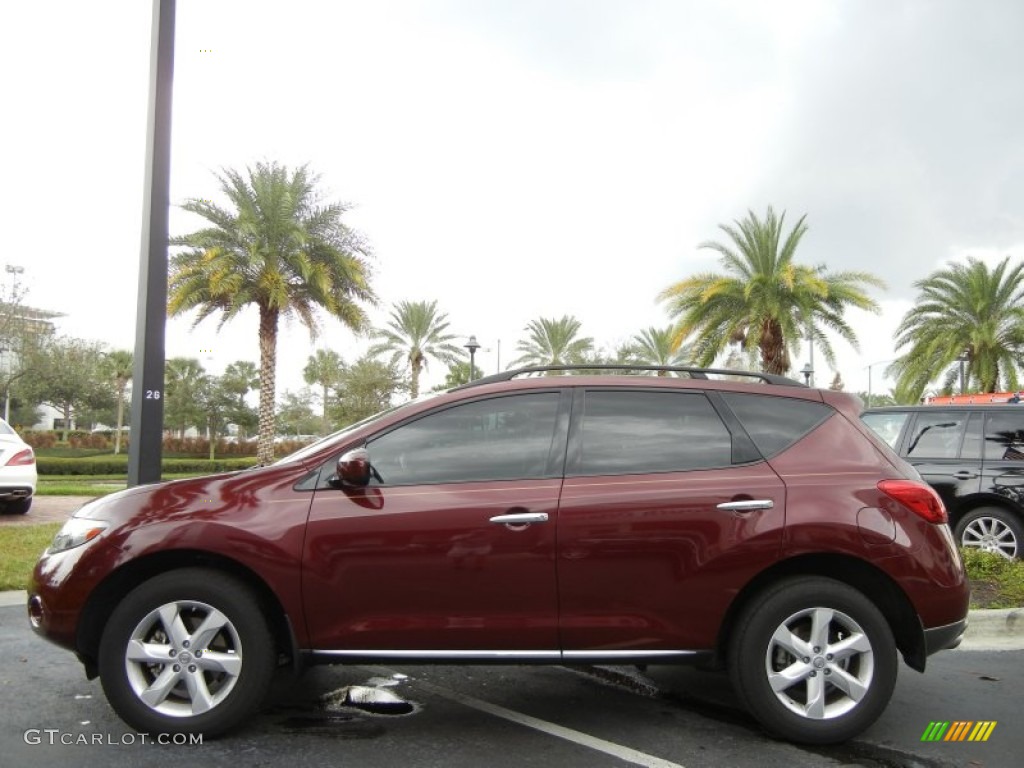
column 775, row 423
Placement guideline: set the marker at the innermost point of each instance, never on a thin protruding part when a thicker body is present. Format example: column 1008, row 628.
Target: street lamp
column 870, row 366
column 808, row 372
column 472, row 346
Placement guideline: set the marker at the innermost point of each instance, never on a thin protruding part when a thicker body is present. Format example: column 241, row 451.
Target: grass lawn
column 22, row 545
column 90, row 485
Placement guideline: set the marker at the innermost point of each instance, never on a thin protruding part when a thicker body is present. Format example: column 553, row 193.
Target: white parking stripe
column 576, row 737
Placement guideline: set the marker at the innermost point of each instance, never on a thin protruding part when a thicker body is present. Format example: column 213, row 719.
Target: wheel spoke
column 214, row 661
column 170, row 616
column 850, row 646
column 148, row 653
column 198, row 692
column 792, row 644
column 848, row 684
column 815, row 707
column 160, row 688
column 821, row 620
column 790, row 676
column 204, row 634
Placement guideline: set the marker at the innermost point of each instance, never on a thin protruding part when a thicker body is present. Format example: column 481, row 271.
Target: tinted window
column 936, row 435
column 503, row 438
column 631, row 432
column 1004, row 436
column 886, row 425
column 775, row 423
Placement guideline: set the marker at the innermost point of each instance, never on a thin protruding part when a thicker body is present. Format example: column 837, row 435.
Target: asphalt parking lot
column 500, row 716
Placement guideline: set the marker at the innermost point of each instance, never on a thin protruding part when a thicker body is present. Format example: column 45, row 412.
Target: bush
column 118, row 465
column 39, row 439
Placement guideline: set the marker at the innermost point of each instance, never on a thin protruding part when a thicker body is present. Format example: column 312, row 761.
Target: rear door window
column 625, row 432
column 936, row 435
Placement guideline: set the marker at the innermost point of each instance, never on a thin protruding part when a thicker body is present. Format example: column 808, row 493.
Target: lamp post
column 472, row 346
column 963, row 357
column 870, row 366
column 808, row 372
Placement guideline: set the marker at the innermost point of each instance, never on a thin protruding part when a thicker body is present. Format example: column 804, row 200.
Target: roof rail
column 695, row 373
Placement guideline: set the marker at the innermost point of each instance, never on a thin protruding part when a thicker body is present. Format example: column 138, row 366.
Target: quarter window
column 503, row 438
column 1004, row 436
column 638, row 432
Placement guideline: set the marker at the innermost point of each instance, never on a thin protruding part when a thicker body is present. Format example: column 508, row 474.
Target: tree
column 458, row 374
column 275, row 247
column 963, row 309
column 67, row 374
column 324, row 369
column 239, row 379
column 214, row 401
column 416, row 332
column 117, row 367
column 553, row 342
column 183, row 377
column 366, row 387
column 294, row 414
column 765, row 300
column 655, row 346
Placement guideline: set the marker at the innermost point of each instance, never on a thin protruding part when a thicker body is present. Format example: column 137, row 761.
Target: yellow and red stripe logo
column 959, row 730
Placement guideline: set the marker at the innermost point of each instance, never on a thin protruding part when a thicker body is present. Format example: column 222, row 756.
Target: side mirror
column 354, row 468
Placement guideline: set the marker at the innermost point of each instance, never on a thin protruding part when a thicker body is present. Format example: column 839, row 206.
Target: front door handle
column 965, row 475
column 748, row 505
column 522, row 518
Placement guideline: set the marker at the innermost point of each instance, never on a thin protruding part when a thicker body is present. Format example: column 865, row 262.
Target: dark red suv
column 753, row 523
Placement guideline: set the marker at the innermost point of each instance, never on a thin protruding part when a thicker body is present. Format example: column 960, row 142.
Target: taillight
column 22, row 458
column 917, row 497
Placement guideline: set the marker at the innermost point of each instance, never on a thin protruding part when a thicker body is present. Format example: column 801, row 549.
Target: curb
column 992, row 629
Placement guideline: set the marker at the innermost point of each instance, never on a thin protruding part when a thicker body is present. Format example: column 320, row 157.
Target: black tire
column 992, row 529
column 17, row 507
column 226, row 679
column 813, row 708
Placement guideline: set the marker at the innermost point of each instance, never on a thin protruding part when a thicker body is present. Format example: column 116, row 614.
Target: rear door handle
column 522, row 518
column 965, row 475
column 748, row 505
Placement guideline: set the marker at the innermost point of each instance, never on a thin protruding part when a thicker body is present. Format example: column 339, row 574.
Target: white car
column 17, row 472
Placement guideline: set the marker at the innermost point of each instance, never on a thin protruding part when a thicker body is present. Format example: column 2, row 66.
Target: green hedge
column 115, row 465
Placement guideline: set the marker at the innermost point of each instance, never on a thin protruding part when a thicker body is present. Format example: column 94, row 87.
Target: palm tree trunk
column 120, row 420
column 268, row 365
column 414, row 388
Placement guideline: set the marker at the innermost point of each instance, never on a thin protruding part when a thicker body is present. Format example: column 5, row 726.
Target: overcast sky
column 522, row 158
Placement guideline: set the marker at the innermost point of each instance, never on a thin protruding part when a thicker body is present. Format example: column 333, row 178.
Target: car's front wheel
column 188, row 651
column 813, row 660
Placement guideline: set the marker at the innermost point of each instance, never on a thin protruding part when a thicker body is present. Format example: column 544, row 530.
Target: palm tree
column 275, row 247
column 182, row 379
column 765, row 300
column 963, row 310
column 553, row 342
column 654, row 346
column 324, row 368
column 118, row 367
column 416, row 332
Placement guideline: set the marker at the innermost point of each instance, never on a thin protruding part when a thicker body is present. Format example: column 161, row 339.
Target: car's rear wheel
column 992, row 529
column 187, row 652
column 813, row 660
column 17, row 506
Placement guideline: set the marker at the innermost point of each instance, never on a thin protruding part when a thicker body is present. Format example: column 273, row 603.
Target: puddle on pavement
column 342, row 712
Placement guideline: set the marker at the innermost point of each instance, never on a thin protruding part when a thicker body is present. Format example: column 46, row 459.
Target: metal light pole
column 963, row 358
column 14, row 270
column 808, row 372
column 472, row 346
column 870, row 366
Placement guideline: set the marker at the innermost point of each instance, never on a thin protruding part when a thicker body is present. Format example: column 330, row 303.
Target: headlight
column 76, row 531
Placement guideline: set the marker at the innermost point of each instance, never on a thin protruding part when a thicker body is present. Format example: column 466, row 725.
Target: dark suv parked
column 973, row 455
column 757, row 524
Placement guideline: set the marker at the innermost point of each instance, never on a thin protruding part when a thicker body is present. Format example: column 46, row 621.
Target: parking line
column 576, row 737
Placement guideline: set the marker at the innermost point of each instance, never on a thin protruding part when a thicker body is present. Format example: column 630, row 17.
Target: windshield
column 315, row 446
